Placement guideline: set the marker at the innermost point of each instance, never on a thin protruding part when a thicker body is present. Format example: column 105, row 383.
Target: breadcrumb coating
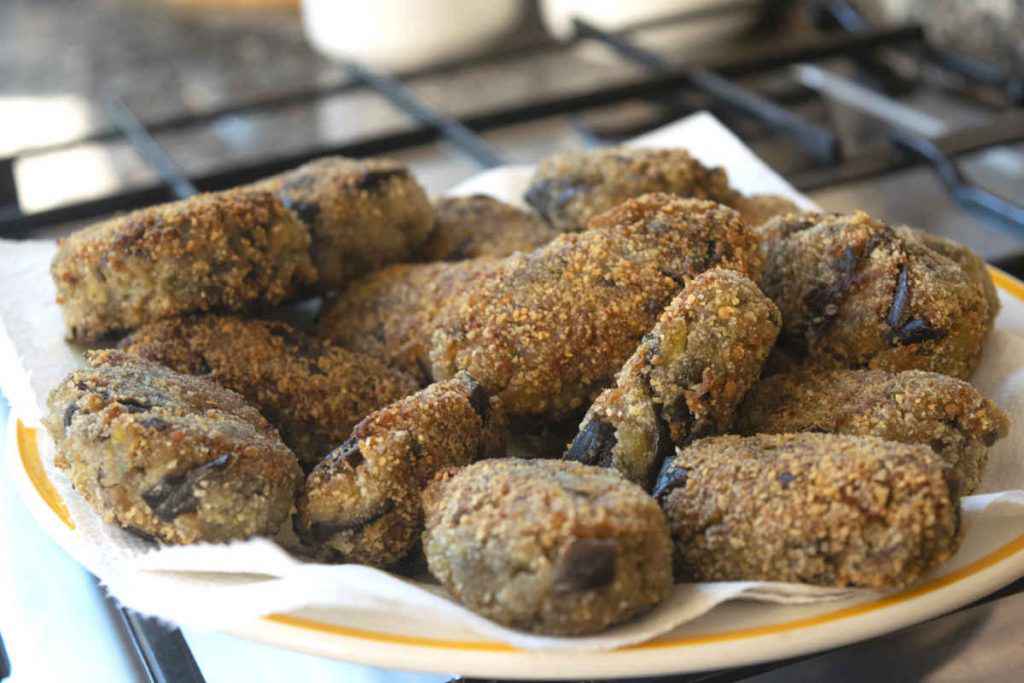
column 822, row 509
column 313, row 391
column 548, row 330
column 545, row 546
column 391, row 314
column 685, row 378
column 362, row 502
column 481, row 226
column 971, row 263
column 570, row 188
column 758, row 208
column 946, row 414
column 171, row 457
column 855, row 294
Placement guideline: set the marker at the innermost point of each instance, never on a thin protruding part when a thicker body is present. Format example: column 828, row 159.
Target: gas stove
column 857, row 116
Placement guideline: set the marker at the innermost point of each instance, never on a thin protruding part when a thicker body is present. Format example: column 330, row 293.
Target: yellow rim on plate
column 32, row 462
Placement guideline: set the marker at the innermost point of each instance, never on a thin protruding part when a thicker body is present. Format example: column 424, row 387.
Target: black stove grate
column 843, row 34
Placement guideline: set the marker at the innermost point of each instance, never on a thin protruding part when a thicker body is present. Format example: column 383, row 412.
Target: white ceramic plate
column 731, row 635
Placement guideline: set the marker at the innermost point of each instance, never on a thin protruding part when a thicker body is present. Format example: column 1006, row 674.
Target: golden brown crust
column 813, row 508
column 547, row 546
column 549, row 329
column 317, row 226
column 684, row 380
column 235, row 250
column 313, row 391
column 362, row 502
column 170, row 456
column 944, row 413
column 481, row 226
column 971, row 263
column 757, row 208
column 391, row 314
column 362, row 214
column 855, row 294
column 570, row 188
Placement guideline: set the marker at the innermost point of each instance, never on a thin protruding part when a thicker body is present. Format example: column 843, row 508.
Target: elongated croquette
column 548, row 330
column 313, row 391
column 824, row 509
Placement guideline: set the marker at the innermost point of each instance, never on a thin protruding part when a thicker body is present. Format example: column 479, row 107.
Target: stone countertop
column 164, row 60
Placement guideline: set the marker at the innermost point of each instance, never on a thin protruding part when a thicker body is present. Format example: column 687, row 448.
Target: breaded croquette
column 548, row 330
column 547, row 546
column 685, row 379
column 482, row 226
column 823, row 509
column 313, row 391
column 311, row 229
column 362, row 214
column 169, row 456
column 855, row 294
column 570, row 188
column 362, row 502
column 942, row 412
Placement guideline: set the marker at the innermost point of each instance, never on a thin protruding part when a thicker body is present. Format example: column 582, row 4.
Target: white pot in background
column 404, row 34
column 614, row 14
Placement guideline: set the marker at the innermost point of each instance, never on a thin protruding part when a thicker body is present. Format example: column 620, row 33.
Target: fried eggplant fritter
column 570, row 188
column 237, row 250
column 545, row 546
column 311, row 229
column 971, row 263
column 480, row 226
column 313, row 391
column 823, row 509
column 758, row 208
column 855, row 294
column 176, row 458
column 548, row 330
column 685, row 379
column 362, row 214
column 362, row 502
column 391, row 314
column 942, row 412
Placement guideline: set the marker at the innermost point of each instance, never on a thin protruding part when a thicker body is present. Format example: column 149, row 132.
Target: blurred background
column 227, row 85
column 909, row 109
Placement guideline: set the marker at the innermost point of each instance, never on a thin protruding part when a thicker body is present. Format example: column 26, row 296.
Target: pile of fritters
column 752, row 392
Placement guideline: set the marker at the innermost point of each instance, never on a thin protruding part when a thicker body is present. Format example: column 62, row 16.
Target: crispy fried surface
column 550, row 329
column 944, row 413
column 855, row 294
column 814, row 508
column 971, row 263
column 234, row 250
column 317, row 226
column 570, row 188
column 482, row 226
column 391, row 314
column 758, row 208
column 547, row 546
column 361, row 214
column 685, row 378
column 313, row 391
column 362, row 502
column 173, row 457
